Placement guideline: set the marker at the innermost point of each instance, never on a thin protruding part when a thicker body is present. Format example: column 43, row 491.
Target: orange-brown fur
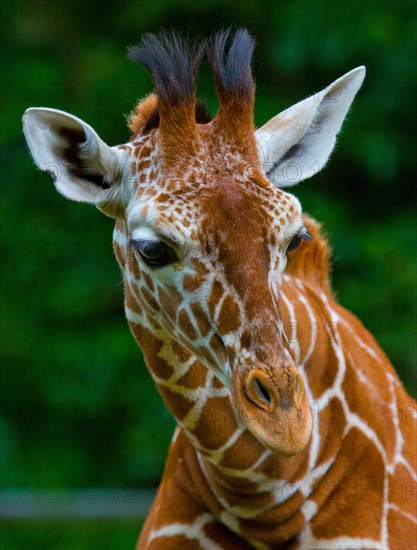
column 139, row 116
column 311, row 261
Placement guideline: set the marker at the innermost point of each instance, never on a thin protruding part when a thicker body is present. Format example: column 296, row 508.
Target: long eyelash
column 144, row 246
column 147, row 247
column 304, row 234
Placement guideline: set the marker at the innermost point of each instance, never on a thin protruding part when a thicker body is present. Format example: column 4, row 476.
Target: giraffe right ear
column 297, row 143
column 83, row 167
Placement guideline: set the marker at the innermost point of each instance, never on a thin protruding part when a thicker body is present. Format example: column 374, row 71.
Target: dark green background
column 79, row 407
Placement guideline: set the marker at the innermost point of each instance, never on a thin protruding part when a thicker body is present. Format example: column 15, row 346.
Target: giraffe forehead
column 220, row 208
column 214, row 192
column 229, row 204
column 242, row 221
column 212, row 153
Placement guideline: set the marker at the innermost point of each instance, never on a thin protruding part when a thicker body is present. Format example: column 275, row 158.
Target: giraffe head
column 204, row 226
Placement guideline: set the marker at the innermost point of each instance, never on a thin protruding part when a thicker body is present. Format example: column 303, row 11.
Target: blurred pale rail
column 54, row 501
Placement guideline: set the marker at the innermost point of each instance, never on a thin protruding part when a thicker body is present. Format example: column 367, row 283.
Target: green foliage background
column 79, row 405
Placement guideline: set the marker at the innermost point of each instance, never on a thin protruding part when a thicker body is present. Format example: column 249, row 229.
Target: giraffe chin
column 275, row 409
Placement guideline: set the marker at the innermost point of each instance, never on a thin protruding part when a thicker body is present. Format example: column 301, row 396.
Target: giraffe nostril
column 262, row 391
column 273, row 390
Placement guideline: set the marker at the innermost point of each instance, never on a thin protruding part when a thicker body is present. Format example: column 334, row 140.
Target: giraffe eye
column 154, row 253
column 295, row 243
column 302, row 235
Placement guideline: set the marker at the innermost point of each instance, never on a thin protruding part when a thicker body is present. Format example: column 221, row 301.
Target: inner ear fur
column 82, row 166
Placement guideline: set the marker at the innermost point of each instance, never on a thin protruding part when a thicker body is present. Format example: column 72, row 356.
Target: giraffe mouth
column 273, row 406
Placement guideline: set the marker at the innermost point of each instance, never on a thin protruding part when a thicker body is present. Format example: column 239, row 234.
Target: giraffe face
column 202, row 233
column 207, row 247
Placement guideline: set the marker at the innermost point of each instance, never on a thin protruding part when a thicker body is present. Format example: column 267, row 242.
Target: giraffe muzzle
column 273, row 405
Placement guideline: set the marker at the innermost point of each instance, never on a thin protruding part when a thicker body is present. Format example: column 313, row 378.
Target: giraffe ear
column 297, row 143
column 82, row 166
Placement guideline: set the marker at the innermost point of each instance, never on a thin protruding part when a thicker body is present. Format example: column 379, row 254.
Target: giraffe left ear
column 297, row 143
column 82, row 166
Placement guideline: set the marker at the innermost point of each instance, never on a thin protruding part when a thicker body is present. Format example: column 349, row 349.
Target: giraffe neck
column 349, row 381
column 227, row 453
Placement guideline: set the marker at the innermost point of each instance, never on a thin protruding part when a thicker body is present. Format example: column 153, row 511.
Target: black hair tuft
column 233, row 72
column 173, row 63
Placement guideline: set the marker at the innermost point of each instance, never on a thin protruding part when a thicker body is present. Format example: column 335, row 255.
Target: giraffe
column 293, row 428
